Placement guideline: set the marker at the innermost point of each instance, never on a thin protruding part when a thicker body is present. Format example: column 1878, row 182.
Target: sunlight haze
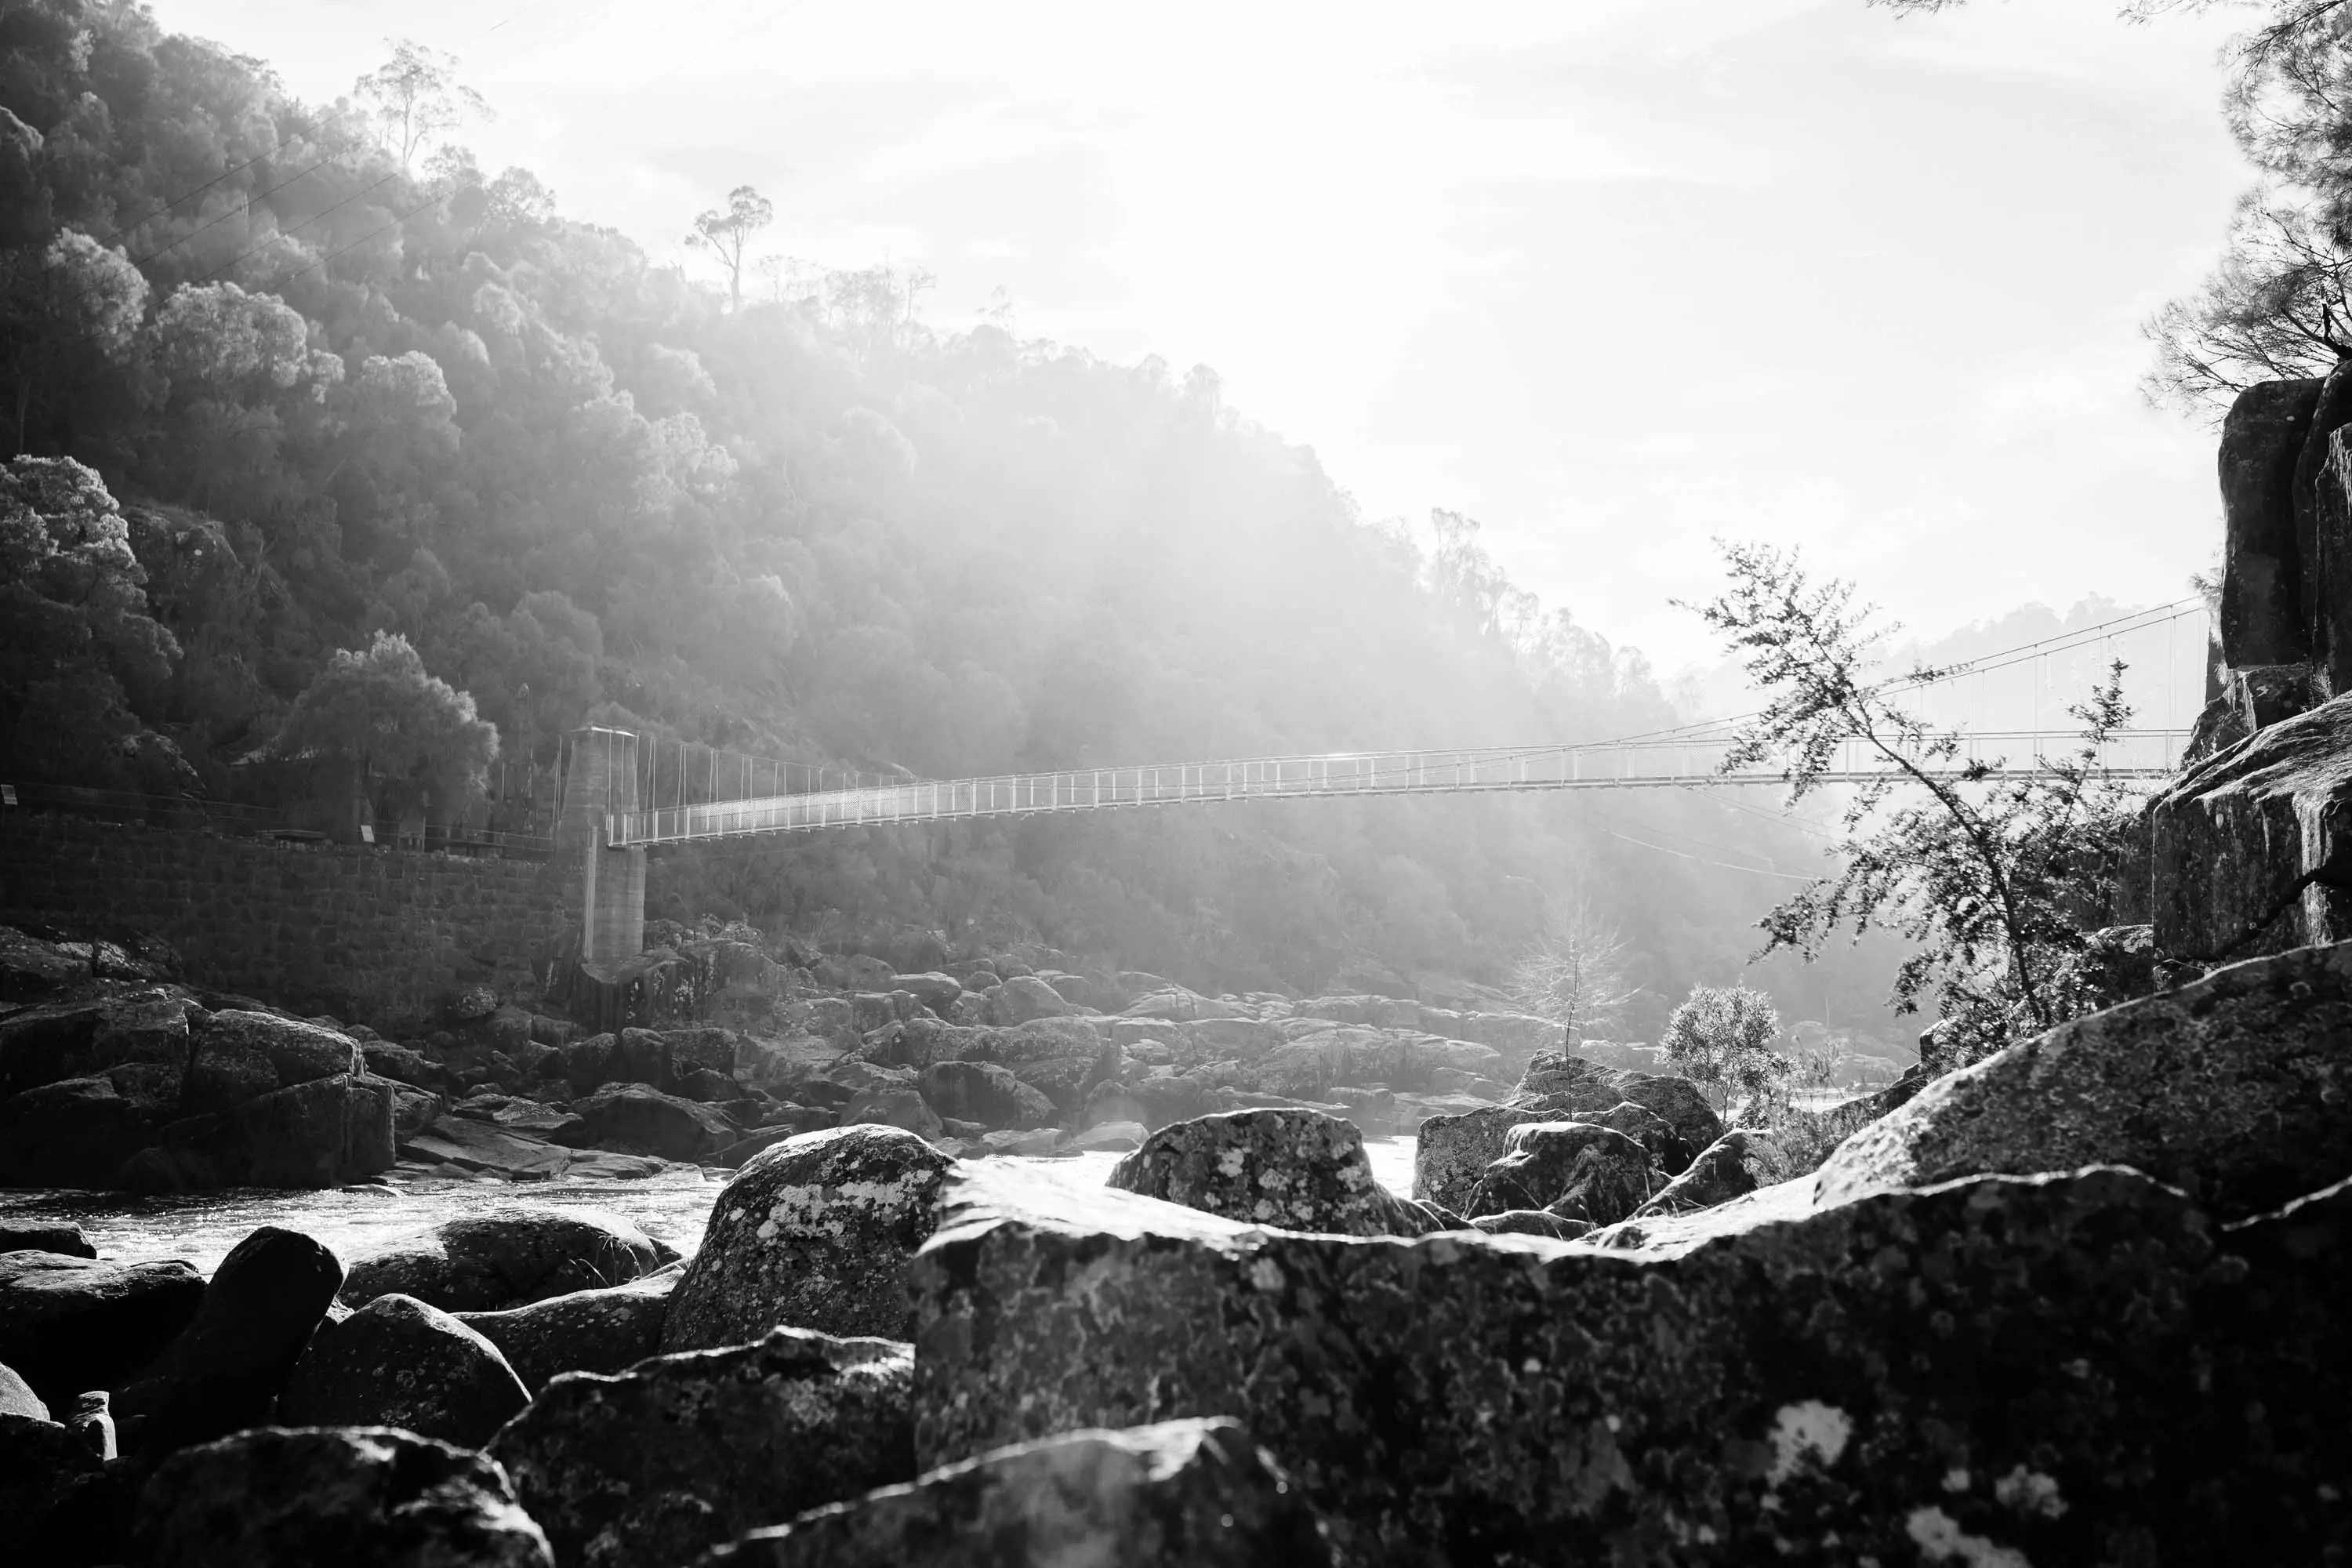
column 1613, row 279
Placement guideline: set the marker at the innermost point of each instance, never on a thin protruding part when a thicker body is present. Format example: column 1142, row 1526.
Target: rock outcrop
column 2234, row 1088
column 1182, row 1494
column 748, row 1436
column 814, row 1232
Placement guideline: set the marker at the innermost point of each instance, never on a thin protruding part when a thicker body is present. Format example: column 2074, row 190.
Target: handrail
column 1679, row 764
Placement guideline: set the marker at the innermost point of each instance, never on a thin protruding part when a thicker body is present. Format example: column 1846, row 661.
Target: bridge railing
column 1675, row 761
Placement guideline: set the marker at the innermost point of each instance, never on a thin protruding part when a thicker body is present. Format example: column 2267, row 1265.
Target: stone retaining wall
column 378, row 936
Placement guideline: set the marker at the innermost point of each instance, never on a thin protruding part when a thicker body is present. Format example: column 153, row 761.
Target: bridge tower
column 600, row 780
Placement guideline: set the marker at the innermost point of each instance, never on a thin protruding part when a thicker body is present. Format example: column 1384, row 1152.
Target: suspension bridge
column 628, row 793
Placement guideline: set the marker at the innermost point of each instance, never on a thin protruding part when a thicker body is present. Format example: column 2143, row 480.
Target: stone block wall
column 384, row 937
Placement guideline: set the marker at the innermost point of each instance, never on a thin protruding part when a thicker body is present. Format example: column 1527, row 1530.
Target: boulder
column 69, row 1239
column 319, row 1132
column 228, row 1367
column 986, row 1093
column 1943, row 1366
column 1565, row 1072
column 1115, row 1137
column 814, row 1232
column 898, row 1105
column 1732, row 1166
column 17, row 1398
column 1300, row 1169
column 1575, row 1169
column 933, row 990
column 584, row 1331
column 1660, row 1138
column 1180, row 1493
column 639, row 1119
column 364, row 1498
column 505, row 1257
column 295, row 1051
column 474, row 1145
column 397, row 1362
column 77, row 1132
column 1678, row 1101
column 1025, row 996
column 2260, row 619
column 46, row 1043
column 1451, row 1152
column 749, row 1434
column 49, row 1482
column 1153, row 1099
column 71, row 1323
column 2234, row 1088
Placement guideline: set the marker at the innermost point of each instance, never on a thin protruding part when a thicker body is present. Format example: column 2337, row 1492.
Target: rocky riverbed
column 671, row 1207
column 2079, row 1303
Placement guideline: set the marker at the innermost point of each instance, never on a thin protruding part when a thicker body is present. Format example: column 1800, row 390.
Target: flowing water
column 353, row 1221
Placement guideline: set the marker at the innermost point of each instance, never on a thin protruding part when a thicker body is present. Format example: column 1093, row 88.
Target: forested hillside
column 342, row 386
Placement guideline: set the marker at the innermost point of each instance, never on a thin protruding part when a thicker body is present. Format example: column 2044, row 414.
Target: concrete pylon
column 600, row 781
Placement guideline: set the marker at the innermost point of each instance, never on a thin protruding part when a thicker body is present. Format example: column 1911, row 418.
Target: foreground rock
column 747, row 1436
column 587, row 1330
column 2236, row 1089
column 1180, row 1494
column 1947, row 1365
column 344, row 1499
column 399, row 1362
column 72, row 1323
column 814, row 1232
column 1300, row 1169
column 506, row 1258
column 227, row 1369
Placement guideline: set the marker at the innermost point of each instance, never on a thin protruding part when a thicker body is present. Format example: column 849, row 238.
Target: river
column 354, row 1221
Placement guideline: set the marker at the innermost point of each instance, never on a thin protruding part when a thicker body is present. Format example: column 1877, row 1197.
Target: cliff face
column 2242, row 849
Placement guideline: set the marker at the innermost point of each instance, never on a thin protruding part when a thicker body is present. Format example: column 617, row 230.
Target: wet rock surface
column 72, row 1323
column 397, row 1362
column 1950, row 1361
column 585, row 1330
column 1181, row 1492
column 505, row 1259
column 1300, row 1169
column 814, row 1232
column 2236, row 1087
column 747, row 1436
column 350, row 1499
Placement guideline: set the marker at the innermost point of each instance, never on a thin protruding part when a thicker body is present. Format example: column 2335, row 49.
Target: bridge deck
column 1679, row 762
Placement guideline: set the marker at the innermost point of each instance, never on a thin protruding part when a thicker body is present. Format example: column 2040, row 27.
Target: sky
column 1615, row 276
